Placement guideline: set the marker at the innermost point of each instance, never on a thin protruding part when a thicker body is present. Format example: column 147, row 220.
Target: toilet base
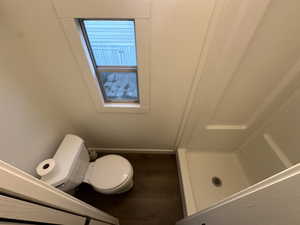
column 125, row 188
column 121, row 190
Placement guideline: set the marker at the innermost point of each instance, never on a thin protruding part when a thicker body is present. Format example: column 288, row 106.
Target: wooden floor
column 154, row 199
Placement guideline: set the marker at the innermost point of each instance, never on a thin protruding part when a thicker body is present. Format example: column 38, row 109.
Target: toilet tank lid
column 65, row 159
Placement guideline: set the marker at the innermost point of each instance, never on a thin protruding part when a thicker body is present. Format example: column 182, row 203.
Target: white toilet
column 110, row 174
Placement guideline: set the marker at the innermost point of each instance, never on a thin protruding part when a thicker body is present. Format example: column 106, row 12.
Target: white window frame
column 99, row 69
column 73, row 32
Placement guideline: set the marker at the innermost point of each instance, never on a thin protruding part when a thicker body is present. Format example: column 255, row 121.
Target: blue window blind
column 112, row 42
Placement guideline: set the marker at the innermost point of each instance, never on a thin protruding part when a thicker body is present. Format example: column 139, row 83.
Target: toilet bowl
column 110, row 174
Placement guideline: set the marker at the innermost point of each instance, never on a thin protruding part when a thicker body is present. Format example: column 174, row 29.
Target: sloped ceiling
column 216, row 68
column 178, row 30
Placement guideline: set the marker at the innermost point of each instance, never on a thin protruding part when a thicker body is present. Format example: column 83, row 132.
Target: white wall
column 250, row 65
column 32, row 125
column 275, row 146
column 178, row 30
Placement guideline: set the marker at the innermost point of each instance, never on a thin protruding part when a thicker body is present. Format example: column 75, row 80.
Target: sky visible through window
column 112, row 43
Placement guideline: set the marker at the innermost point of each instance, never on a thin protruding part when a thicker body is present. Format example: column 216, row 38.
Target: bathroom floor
column 154, row 199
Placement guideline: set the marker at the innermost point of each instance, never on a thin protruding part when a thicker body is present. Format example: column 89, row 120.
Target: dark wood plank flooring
column 154, row 199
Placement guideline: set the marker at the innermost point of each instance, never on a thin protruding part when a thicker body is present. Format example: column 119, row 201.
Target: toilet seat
column 109, row 173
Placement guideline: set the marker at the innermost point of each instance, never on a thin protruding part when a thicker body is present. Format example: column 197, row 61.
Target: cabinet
column 12, row 209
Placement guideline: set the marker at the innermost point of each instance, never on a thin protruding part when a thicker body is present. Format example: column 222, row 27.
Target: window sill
column 123, row 107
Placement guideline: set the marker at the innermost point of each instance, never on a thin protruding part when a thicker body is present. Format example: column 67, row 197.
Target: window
column 112, row 47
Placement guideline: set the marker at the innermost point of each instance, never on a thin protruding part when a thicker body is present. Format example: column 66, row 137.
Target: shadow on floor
column 154, row 199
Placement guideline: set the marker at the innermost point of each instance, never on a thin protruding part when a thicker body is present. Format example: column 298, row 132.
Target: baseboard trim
column 133, row 150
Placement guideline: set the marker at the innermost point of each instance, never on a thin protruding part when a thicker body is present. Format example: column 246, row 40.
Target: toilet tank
column 71, row 163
